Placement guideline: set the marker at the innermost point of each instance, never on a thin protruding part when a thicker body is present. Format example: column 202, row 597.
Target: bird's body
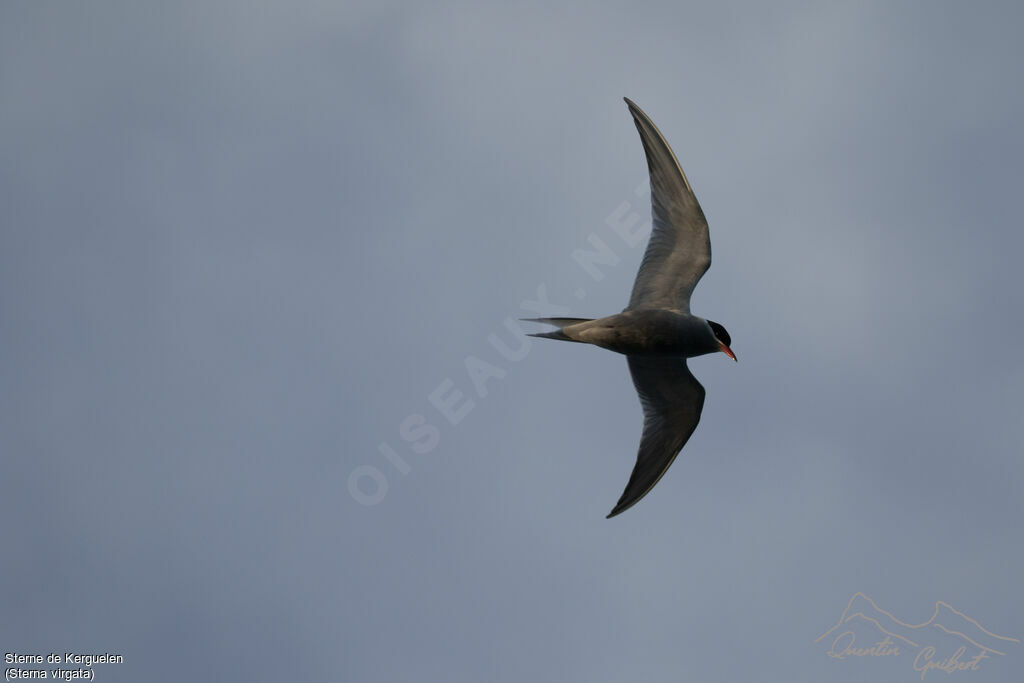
column 656, row 331
column 643, row 332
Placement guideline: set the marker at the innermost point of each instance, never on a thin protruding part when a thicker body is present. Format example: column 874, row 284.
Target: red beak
column 727, row 351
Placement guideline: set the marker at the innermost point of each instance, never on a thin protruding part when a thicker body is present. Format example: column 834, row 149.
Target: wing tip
column 621, row 507
column 635, row 110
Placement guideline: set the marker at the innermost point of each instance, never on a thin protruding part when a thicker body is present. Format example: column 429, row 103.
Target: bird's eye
column 720, row 333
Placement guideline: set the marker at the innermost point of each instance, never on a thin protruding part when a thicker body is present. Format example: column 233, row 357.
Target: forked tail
column 558, row 322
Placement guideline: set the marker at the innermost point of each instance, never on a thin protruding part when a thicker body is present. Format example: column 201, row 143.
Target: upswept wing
column 679, row 251
column 672, row 399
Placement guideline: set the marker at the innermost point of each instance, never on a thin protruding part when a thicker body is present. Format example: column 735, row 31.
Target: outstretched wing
column 672, row 399
column 679, row 251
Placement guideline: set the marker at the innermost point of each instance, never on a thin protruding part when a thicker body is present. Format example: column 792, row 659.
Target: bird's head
column 723, row 339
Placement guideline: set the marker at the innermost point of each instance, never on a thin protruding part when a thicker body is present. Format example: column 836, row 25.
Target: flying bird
column 656, row 331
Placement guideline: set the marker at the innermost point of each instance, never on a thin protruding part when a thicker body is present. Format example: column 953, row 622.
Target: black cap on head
column 720, row 333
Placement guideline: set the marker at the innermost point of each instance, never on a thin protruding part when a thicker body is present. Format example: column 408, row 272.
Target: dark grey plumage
column 672, row 399
column 679, row 251
column 656, row 331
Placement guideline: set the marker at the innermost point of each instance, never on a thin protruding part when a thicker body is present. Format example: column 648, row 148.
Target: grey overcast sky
column 254, row 256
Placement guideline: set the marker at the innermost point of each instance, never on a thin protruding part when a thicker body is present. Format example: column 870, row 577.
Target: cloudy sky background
column 242, row 243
